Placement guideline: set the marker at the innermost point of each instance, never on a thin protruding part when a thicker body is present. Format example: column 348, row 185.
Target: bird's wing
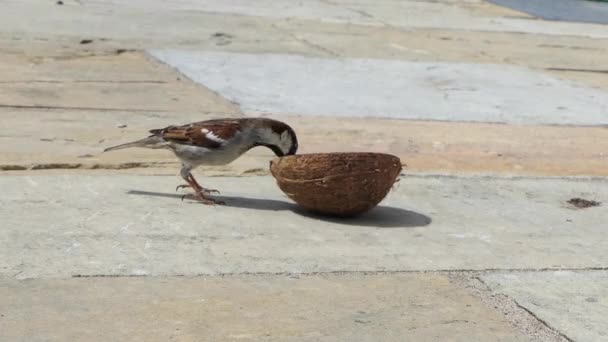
column 210, row 134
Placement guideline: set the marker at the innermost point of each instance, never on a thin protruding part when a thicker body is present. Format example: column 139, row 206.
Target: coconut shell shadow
column 380, row 217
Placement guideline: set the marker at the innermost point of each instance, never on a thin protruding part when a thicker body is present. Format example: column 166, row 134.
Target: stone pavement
column 501, row 119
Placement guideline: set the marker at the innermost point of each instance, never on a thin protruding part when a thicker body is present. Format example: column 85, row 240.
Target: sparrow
column 217, row 142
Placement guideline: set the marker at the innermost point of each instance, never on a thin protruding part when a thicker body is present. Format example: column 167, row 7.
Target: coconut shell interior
column 339, row 184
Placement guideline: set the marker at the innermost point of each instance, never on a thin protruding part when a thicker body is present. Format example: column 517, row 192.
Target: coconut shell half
column 337, row 184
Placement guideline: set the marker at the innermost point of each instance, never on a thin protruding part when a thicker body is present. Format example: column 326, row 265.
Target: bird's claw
column 206, row 191
column 182, row 186
column 204, row 199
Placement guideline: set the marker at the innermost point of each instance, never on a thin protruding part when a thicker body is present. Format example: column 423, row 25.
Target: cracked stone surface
column 574, row 302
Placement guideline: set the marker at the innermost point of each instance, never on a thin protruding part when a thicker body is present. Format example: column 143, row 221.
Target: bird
column 217, row 142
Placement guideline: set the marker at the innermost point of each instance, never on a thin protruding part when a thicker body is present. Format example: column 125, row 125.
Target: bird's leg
column 208, row 191
column 192, row 183
column 201, row 194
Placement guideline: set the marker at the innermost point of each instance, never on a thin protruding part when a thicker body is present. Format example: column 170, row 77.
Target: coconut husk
column 339, row 184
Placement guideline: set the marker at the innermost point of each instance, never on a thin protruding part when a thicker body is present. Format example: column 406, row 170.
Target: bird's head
column 278, row 137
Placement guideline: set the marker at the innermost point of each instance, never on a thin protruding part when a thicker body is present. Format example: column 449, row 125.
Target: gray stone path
column 499, row 116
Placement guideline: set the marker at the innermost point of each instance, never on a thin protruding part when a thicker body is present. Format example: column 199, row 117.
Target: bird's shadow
column 381, row 216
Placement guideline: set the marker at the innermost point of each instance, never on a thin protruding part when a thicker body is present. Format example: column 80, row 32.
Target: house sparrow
column 217, row 142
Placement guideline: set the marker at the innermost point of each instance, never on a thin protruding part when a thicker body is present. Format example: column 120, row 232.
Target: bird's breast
column 196, row 155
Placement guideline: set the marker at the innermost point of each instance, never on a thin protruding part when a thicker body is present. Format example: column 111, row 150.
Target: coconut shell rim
column 327, row 154
column 275, row 163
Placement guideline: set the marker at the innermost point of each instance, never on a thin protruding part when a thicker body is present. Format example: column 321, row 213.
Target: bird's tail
column 149, row 142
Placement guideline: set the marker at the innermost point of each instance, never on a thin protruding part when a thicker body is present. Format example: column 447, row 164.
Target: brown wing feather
column 209, row 134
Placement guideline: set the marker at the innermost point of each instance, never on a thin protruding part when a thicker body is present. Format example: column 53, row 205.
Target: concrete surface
column 130, row 225
column 390, row 89
column 75, row 78
column 250, row 308
column 565, row 10
column 575, row 303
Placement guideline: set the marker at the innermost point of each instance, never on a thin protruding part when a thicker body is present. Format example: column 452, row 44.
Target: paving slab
column 393, row 89
column 574, row 302
column 125, row 82
column 58, row 226
column 95, row 95
column 64, row 139
column 135, row 18
column 477, row 15
column 118, row 67
column 151, row 23
column 537, row 51
column 251, row 308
